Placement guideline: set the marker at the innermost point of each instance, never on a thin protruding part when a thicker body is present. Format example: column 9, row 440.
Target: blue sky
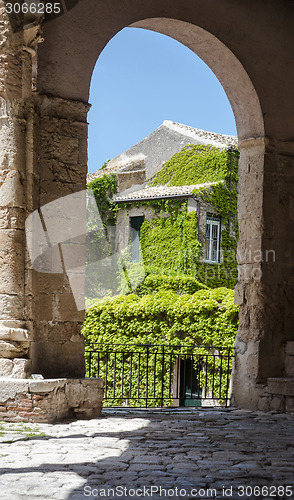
column 143, row 78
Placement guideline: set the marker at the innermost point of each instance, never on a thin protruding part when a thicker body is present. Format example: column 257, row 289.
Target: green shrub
column 207, row 317
column 180, row 284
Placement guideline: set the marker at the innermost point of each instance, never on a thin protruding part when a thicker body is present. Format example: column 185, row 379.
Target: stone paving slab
column 195, row 453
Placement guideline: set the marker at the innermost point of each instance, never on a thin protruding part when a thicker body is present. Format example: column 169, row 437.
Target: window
column 212, row 237
column 135, row 223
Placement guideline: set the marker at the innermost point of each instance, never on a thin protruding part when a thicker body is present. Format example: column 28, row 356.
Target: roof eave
column 152, row 198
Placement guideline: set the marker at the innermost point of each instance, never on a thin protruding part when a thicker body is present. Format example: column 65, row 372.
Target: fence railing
column 152, row 375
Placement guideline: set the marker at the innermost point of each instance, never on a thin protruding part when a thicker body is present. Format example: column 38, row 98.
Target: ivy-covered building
column 171, row 227
column 177, row 217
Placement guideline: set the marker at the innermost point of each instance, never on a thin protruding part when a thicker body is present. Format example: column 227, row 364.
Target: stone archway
column 50, row 124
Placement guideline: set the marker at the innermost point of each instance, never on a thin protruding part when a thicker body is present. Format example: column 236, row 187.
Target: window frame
column 135, row 238
column 213, row 221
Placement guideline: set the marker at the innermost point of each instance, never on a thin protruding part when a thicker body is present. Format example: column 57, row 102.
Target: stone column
column 14, row 329
column 265, row 291
column 58, row 347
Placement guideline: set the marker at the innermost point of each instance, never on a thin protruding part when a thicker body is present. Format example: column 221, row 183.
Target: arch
column 66, row 63
column 44, row 144
column 219, row 58
column 248, row 54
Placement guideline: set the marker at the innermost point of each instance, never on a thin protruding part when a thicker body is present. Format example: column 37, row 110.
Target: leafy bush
column 180, row 284
column 207, row 317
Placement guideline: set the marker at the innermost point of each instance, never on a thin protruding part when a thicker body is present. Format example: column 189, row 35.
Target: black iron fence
column 152, row 375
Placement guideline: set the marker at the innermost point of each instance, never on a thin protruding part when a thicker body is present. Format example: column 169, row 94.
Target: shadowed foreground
column 177, row 453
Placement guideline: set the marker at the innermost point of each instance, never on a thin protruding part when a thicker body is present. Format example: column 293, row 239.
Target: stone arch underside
column 248, row 49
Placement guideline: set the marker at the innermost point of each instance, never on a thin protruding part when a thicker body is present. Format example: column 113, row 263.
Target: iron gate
column 152, row 375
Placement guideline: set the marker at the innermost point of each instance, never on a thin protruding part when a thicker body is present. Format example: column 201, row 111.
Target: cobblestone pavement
column 194, row 453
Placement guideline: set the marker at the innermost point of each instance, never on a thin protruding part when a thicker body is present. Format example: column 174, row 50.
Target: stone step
column 283, row 386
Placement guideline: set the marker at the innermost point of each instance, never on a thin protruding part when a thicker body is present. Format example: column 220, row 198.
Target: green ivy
column 194, row 164
column 169, row 240
column 98, row 245
column 103, row 189
column 224, row 197
column 207, row 317
column 155, row 282
column 170, row 243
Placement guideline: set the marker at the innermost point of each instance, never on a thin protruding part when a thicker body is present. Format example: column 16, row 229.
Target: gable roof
column 220, row 141
column 159, row 146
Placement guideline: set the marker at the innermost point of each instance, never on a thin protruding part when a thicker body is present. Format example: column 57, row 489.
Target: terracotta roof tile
column 161, row 192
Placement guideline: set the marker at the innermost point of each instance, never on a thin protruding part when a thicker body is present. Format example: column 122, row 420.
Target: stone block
column 60, row 147
column 73, row 393
column 58, row 359
column 6, row 367
column 290, row 404
column 277, row 403
column 51, row 190
column 264, row 403
column 11, row 305
column 240, row 346
column 52, row 107
column 12, row 154
column 282, row 386
column 63, row 173
column 12, row 244
column 12, row 350
column 252, row 365
column 290, row 347
column 12, row 190
column 249, row 273
column 251, row 228
column 251, row 204
column 61, row 331
column 15, row 368
column 14, row 334
column 9, row 388
column 289, row 365
column 46, row 385
column 12, row 218
column 22, row 368
column 239, row 294
column 50, row 283
column 65, row 308
column 67, row 128
column 86, row 390
column 244, row 317
column 44, row 307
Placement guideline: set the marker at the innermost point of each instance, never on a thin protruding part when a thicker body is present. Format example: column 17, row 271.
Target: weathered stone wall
column 15, row 331
column 127, row 180
column 58, row 347
column 50, row 400
column 122, row 230
column 266, row 286
column 43, row 157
